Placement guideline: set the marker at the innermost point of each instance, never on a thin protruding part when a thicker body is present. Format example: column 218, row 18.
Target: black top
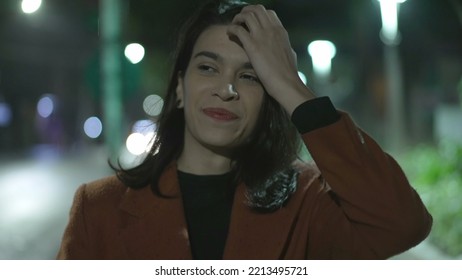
column 207, row 202
column 208, row 199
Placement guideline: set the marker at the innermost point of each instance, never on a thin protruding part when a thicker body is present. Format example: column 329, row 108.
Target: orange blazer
column 355, row 203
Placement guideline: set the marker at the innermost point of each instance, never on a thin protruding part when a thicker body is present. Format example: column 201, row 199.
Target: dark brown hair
column 272, row 149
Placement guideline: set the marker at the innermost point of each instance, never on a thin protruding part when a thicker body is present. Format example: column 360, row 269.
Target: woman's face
column 220, row 93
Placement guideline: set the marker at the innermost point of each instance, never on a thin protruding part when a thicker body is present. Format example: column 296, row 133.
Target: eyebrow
column 217, row 57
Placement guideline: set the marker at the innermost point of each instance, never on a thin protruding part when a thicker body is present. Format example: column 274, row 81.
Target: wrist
column 291, row 95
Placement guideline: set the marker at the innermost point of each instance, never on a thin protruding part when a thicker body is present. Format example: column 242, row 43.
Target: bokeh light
column 5, row 114
column 134, row 52
column 322, row 52
column 142, row 137
column 93, row 127
column 136, row 143
column 144, row 126
column 153, row 104
column 45, row 106
column 30, row 6
column 389, row 13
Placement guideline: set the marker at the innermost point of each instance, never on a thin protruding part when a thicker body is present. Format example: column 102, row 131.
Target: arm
column 366, row 209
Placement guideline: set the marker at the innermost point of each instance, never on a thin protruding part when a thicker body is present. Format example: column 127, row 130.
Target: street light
column 322, row 52
column 30, row 6
column 394, row 111
column 389, row 12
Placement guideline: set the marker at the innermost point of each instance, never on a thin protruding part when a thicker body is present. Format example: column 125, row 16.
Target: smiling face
column 220, row 93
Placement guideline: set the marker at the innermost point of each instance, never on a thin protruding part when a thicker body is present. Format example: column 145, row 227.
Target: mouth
column 220, row 114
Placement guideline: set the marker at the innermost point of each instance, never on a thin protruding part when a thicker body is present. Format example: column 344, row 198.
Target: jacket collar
column 159, row 225
column 142, row 202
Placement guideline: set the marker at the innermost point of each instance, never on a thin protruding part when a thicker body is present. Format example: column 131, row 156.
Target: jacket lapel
column 156, row 227
column 254, row 235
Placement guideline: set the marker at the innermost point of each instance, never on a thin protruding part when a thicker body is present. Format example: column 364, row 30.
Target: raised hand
column 267, row 44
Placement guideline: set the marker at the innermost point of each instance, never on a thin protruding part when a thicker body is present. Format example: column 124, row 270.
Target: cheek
column 254, row 107
column 195, row 89
column 256, row 101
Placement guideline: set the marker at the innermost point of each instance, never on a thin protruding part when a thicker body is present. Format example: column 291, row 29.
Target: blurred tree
column 436, row 173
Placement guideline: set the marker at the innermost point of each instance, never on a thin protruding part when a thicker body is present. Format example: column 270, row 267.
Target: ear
column 179, row 92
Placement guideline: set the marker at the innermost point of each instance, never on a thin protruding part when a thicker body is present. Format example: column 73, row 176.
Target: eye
column 250, row 77
column 204, row 68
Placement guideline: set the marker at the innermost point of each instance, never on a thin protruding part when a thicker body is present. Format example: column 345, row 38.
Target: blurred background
column 82, row 81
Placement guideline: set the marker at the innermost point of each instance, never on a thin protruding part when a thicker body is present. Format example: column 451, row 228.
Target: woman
column 222, row 180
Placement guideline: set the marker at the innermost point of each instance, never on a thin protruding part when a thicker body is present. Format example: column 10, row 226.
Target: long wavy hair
column 272, row 149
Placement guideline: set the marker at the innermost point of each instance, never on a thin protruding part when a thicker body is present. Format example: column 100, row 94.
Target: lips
column 220, row 114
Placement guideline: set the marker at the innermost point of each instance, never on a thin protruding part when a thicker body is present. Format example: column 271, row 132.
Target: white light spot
column 93, row 127
column 30, row 6
column 134, row 52
column 153, row 104
column 302, row 77
column 389, row 12
column 142, row 137
column 136, row 143
column 322, row 52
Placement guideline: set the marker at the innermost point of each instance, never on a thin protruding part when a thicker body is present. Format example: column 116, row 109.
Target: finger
column 248, row 19
column 241, row 33
column 260, row 13
column 294, row 56
column 273, row 17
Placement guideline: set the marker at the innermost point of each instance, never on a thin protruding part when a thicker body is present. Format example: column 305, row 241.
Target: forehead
column 215, row 39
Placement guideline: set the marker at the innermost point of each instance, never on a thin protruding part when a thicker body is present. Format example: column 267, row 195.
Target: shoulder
column 105, row 190
column 308, row 173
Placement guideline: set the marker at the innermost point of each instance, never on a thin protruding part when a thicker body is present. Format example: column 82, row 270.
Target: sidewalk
column 35, row 198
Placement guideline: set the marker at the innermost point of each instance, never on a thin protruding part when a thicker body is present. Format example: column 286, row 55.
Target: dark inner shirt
column 207, row 202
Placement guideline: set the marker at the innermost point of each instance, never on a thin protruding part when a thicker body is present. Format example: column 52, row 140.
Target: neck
column 200, row 160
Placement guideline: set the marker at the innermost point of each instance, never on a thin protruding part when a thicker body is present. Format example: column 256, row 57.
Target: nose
column 227, row 92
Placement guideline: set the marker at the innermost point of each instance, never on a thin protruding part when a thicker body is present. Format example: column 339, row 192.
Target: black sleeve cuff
column 314, row 114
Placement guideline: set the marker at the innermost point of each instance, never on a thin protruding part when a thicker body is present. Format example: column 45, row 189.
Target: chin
column 222, row 142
